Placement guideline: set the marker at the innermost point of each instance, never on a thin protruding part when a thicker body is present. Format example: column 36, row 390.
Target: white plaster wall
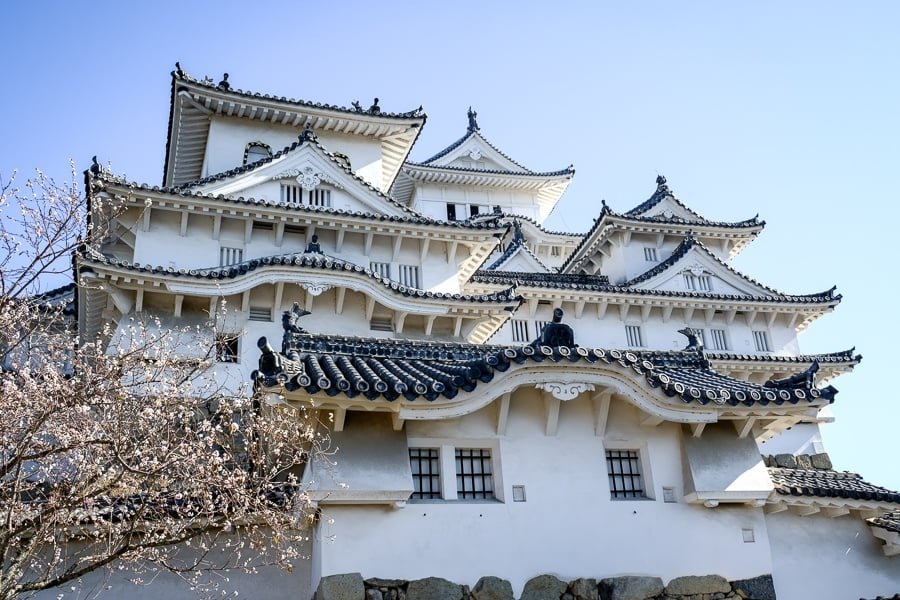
column 568, row 525
column 229, row 136
column 803, row 438
column 829, row 558
column 609, row 332
column 431, row 200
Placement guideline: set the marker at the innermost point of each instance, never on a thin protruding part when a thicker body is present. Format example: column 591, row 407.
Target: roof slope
column 804, row 478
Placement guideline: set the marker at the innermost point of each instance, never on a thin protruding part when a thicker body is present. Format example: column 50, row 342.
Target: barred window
column 624, row 470
column 381, row 268
column 539, row 328
column 230, row 256
column 761, row 339
column 409, row 276
column 260, row 313
column 650, row 254
column 227, row 347
column 319, row 197
column 520, row 331
column 695, row 283
column 633, row 336
column 474, row 474
column 295, row 194
column 426, row 473
column 719, row 341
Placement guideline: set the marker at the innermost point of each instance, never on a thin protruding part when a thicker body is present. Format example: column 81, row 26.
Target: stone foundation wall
column 351, row 586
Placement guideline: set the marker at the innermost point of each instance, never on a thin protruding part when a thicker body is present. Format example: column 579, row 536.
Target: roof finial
column 178, row 71
column 356, row 106
column 517, row 232
column 473, row 123
column 95, row 166
column 307, row 135
column 224, row 85
column 375, row 109
column 661, row 183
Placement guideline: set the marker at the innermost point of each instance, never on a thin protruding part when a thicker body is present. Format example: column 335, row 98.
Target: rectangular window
column 227, row 347
column 719, row 341
column 700, row 333
column 633, row 336
column 295, row 230
column 291, row 194
column 409, row 276
column 318, row 197
column 263, row 226
column 694, row 283
column 650, row 254
column 451, row 212
column 761, row 339
column 381, row 268
column 474, row 210
column 624, row 470
column 426, row 473
column 474, row 474
column 520, row 331
column 294, row 194
column 381, row 324
column 230, row 256
column 260, row 313
column 539, row 328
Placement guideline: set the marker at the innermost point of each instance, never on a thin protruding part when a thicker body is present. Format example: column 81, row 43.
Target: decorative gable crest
column 308, row 177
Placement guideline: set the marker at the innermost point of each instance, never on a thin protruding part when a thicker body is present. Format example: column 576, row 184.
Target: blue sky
column 788, row 110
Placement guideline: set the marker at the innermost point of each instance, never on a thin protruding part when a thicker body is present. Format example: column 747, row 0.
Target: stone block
column 787, row 461
column 821, row 461
column 374, row 594
column 804, row 461
column 630, row 588
column 492, row 588
column 434, row 588
column 347, row 586
column 584, row 589
column 544, row 587
column 758, row 588
column 695, row 585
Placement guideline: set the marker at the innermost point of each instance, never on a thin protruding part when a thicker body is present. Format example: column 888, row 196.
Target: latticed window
column 230, row 256
column 474, row 474
column 381, row 268
column 426, row 473
column 719, row 341
column 695, row 283
column 633, row 336
column 624, row 470
column 650, row 254
column 294, row 194
column 520, row 331
column 319, row 197
column 761, row 339
column 409, row 275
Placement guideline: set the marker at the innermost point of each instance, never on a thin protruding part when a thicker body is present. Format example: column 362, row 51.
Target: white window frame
column 634, row 333
column 230, row 255
column 520, row 331
column 761, row 340
column 718, row 338
column 447, row 452
column 644, row 462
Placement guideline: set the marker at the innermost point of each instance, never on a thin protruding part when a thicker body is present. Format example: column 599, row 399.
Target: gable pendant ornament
column 565, row 391
column 308, row 177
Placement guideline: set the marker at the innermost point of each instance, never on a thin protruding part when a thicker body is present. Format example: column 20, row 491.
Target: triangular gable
column 309, row 165
column 473, row 151
column 663, row 203
column 519, row 259
column 693, row 268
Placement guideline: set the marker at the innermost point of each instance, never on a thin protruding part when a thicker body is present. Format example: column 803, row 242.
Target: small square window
column 719, row 341
column 624, row 470
column 650, row 254
column 669, row 495
column 227, row 348
column 748, row 535
column 518, row 493
column 761, row 339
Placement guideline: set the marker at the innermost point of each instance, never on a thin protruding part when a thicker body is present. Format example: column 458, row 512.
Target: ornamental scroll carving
column 308, row 177
column 565, row 391
column 315, row 289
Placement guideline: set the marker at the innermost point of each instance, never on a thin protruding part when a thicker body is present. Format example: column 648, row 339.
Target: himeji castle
column 514, row 411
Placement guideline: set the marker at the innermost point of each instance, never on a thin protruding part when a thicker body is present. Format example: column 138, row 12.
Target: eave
column 194, row 103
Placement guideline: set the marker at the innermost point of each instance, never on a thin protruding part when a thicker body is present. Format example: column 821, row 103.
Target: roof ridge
column 180, row 74
column 570, row 170
column 662, row 192
column 517, row 243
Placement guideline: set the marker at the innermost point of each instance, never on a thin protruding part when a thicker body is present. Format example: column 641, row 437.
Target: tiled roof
column 300, row 259
column 390, row 369
column 413, row 218
column 826, row 483
column 63, row 296
column 304, row 138
column 690, row 241
column 567, row 171
column 830, row 357
column 180, row 74
column 661, row 193
column 518, row 242
column 600, row 283
column 469, row 134
column 889, row 521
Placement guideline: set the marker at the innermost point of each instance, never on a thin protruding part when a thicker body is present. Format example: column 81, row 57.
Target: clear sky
column 789, row 110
